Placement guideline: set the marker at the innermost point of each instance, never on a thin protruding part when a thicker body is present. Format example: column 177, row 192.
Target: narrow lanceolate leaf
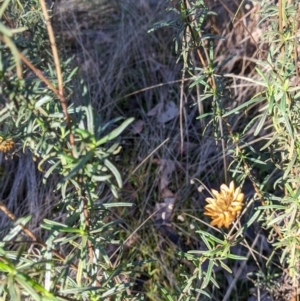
column 261, row 123
column 204, row 115
column 116, row 132
column 3, row 8
column 101, row 178
column 115, row 171
column 270, row 141
column 290, row 166
column 225, row 267
column 244, row 105
column 32, row 287
column 199, row 80
column 117, row 289
column 42, row 101
column 217, row 240
column 81, row 163
column 117, row 204
column 6, row 267
column 208, row 275
column 82, row 264
column 165, row 292
column 288, row 126
column 90, row 118
column 254, row 217
column 9, row 42
column 18, row 228
column 12, row 292
column 237, row 257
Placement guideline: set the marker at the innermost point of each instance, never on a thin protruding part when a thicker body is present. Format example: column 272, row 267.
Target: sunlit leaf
column 79, row 165
column 115, row 133
column 115, row 171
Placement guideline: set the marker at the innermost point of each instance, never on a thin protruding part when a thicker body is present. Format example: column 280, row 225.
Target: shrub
column 276, row 123
column 69, row 143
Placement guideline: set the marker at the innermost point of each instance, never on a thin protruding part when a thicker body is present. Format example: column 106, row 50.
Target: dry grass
column 23, row 192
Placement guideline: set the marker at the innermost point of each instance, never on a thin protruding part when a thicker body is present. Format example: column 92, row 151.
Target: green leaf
column 261, row 73
column 6, row 267
column 79, row 165
column 217, row 240
column 261, row 123
column 257, row 161
column 14, row 51
column 288, row 126
column 277, row 219
column 265, row 207
column 224, row 266
column 271, row 101
column 289, row 167
column 246, row 104
column 283, row 103
column 254, row 218
column 225, row 62
column 3, row 7
column 105, row 256
column 117, row 289
column 26, row 284
column 203, row 293
column 90, row 118
column 50, row 224
column 158, row 25
column 4, row 114
column 42, row 101
column 208, row 275
column 236, row 257
column 113, row 189
column 205, row 115
column 96, row 178
column 46, row 158
column 199, row 80
column 3, row 29
column 204, row 239
column 31, row 286
column 81, row 263
column 165, row 292
column 115, row 133
column 214, row 282
column 118, row 204
column 17, row 229
column 83, row 133
column 114, row 170
column 51, row 170
column 248, row 79
column 12, row 290
column 71, row 74
column 277, row 136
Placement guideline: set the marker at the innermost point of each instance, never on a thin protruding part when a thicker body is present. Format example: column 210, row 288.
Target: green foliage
column 277, row 73
column 72, row 144
column 276, row 158
column 80, row 256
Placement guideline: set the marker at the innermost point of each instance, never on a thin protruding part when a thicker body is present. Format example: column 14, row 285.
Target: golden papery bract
column 6, row 144
column 225, row 206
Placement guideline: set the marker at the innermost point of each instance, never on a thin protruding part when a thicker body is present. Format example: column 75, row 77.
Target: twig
column 35, row 239
column 58, row 69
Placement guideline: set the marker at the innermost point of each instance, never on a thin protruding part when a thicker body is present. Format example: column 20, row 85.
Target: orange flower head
column 6, row 144
column 225, row 205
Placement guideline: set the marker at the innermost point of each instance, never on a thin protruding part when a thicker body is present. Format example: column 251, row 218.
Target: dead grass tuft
column 23, row 192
